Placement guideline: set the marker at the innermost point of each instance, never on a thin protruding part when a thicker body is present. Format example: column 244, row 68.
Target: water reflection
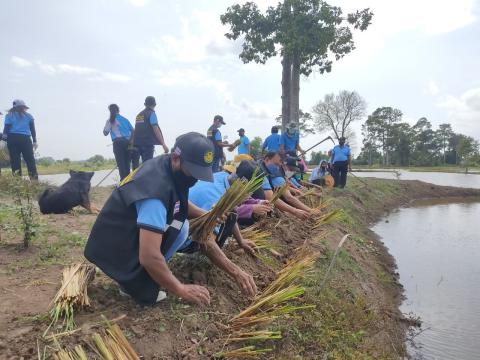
column 437, row 249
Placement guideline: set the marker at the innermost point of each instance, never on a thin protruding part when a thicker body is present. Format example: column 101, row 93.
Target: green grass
column 62, row 168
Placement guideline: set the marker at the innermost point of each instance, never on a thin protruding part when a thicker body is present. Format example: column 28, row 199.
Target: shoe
column 162, row 295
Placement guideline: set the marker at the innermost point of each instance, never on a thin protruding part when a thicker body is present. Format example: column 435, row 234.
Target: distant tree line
column 387, row 140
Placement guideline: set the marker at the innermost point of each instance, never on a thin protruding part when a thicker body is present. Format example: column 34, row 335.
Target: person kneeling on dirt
column 205, row 195
column 144, row 223
column 319, row 174
column 271, row 165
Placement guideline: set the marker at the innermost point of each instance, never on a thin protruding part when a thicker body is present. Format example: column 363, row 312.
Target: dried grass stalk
column 113, row 345
column 76, row 354
column 278, row 193
column 72, row 294
column 247, row 352
column 202, row 227
column 329, row 218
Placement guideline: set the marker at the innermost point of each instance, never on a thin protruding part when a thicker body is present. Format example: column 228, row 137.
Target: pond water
column 59, row 179
column 437, row 250
column 437, row 178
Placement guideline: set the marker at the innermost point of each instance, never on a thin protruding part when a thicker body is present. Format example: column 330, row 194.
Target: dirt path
column 356, row 316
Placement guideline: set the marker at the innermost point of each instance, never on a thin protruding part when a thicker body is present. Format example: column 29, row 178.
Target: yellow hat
column 239, row 158
column 230, row 168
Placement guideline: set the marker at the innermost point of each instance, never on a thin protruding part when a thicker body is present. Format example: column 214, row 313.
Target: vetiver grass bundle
column 76, row 354
column 202, row 227
column 329, row 218
column 278, row 193
column 72, row 293
column 261, row 239
column 312, row 198
column 113, row 345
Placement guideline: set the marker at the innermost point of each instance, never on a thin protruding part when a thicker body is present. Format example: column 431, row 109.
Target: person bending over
column 144, row 223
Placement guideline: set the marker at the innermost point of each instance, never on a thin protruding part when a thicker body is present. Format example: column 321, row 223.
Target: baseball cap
column 241, row 129
column 220, row 118
column 150, row 101
column 18, row 103
column 292, row 162
column 246, row 169
column 196, row 153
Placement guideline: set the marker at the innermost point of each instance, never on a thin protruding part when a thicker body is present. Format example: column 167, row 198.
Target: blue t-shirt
column 218, row 135
column 272, row 143
column 121, row 128
column 243, row 148
column 266, row 184
column 206, row 194
column 340, row 153
column 278, row 181
column 20, row 123
column 153, row 118
column 152, row 215
column 290, row 143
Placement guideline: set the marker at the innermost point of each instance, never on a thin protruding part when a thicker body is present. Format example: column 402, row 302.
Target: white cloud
column 201, row 37
column 20, row 62
column 464, row 111
column 91, row 74
column 256, row 110
column 432, row 88
column 138, row 3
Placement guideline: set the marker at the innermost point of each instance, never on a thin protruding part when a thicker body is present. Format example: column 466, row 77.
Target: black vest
column 212, row 131
column 144, row 134
column 113, row 244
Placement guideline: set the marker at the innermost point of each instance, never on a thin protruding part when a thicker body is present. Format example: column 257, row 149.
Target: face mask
column 342, row 143
column 272, row 168
column 183, row 181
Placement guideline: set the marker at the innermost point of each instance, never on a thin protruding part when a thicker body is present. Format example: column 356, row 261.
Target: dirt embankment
column 356, row 314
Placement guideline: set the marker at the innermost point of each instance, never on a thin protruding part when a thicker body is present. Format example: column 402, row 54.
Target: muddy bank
column 356, row 314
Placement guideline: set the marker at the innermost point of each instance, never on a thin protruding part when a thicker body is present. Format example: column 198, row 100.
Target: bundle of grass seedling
column 261, row 239
column 312, row 198
column 113, row 345
column 247, row 352
column 330, row 217
column 278, row 193
column 76, row 354
column 72, row 294
column 202, row 227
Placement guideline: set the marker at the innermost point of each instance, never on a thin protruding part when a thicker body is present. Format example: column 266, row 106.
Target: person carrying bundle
column 144, row 223
column 243, row 143
column 275, row 179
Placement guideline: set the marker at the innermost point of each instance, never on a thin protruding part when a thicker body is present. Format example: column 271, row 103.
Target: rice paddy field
column 317, row 300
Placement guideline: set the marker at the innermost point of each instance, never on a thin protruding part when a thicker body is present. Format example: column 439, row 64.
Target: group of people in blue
column 145, row 221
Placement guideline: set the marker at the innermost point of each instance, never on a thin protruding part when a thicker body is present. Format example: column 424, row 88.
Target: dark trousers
column 122, row 156
column 143, row 151
column 216, row 165
column 21, row 146
column 339, row 173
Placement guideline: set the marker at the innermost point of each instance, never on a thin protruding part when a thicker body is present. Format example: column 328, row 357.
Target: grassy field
column 62, row 168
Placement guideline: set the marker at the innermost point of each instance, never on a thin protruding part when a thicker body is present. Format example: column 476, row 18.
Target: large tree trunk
column 286, row 86
column 295, row 92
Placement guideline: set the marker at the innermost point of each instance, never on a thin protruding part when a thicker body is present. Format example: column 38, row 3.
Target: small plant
column 23, row 195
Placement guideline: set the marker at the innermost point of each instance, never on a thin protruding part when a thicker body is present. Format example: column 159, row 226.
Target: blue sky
column 70, row 59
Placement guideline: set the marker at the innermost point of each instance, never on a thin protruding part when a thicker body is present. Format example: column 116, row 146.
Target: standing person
column 144, row 223
column 272, row 142
column 19, row 131
column 121, row 132
column 243, row 143
column 215, row 137
column 342, row 162
column 290, row 141
column 147, row 132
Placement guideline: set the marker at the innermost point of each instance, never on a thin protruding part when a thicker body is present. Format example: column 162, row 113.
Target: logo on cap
column 208, row 157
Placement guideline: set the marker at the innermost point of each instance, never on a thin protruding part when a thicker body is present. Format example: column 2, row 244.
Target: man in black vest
column 215, row 137
column 144, row 223
column 147, row 132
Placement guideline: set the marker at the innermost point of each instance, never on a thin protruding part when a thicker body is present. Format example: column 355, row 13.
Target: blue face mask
column 272, row 168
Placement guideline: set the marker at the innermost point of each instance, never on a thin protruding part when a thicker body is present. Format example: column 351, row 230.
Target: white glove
column 35, row 146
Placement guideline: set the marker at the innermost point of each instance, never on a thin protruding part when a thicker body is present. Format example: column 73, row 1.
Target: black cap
column 241, row 129
column 196, row 153
column 246, row 169
column 150, row 101
column 274, row 129
column 219, row 118
column 292, row 162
